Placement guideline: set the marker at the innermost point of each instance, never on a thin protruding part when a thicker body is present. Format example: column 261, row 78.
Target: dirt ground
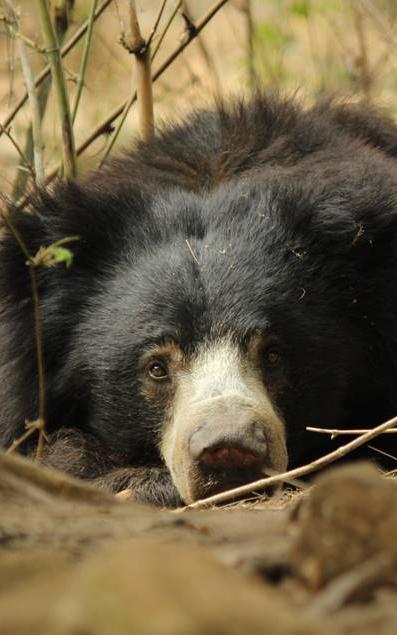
column 76, row 561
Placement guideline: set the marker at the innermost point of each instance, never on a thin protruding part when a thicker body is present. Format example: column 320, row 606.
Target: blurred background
column 312, row 47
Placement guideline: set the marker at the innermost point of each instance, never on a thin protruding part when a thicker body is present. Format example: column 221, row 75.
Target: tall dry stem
column 54, row 55
column 141, row 51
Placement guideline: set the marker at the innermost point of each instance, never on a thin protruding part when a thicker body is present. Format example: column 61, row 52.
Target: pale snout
column 230, row 446
column 225, row 442
column 223, row 430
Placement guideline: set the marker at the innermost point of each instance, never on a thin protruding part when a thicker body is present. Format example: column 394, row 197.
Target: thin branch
column 156, row 23
column 38, row 327
column 54, row 54
column 295, row 473
column 36, row 116
column 166, row 28
column 336, row 432
column 47, row 70
column 382, row 452
column 17, row 34
column 363, row 66
column 22, row 156
column 203, row 49
column 84, row 59
column 21, row 440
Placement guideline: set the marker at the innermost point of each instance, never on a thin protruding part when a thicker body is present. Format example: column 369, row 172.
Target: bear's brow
column 163, row 343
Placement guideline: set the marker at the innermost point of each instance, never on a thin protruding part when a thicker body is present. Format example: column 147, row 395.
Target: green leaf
column 54, row 254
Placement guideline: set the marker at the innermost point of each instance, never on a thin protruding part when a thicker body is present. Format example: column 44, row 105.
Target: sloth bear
column 234, row 281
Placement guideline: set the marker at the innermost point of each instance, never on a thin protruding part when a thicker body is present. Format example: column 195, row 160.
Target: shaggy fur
column 291, row 220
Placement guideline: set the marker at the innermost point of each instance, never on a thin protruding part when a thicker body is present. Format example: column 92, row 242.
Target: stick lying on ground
column 336, row 432
column 296, row 472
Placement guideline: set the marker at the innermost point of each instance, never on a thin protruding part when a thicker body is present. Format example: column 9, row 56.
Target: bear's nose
column 229, row 457
column 234, row 452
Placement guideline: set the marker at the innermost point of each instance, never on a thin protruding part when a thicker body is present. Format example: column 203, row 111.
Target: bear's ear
column 349, row 210
column 364, row 122
column 104, row 218
column 102, row 222
column 364, row 232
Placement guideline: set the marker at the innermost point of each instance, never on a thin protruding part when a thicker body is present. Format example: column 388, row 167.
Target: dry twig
column 156, row 23
column 21, row 154
column 84, row 59
column 296, row 472
column 166, row 27
column 141, row 49
column 31, row 428
column 36, row 117
column 336, row 432
column 365, row 76
column 203, row 49
column 39, row 424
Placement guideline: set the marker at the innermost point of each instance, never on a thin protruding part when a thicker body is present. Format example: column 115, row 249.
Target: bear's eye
column 272, row 358
column 157, row 370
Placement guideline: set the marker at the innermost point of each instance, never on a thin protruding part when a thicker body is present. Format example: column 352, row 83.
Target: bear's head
column 214, row 341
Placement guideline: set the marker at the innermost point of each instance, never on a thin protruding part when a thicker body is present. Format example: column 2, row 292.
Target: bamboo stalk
column 84, row 59
column 54, row 54
column 141, row 50
column 36, row 116
column 61, row 24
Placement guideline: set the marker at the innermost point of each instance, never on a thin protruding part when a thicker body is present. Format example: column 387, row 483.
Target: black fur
column 291, row 214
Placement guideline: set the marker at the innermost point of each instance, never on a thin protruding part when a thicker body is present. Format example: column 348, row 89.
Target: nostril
column 258, row 433
column 222, row 457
